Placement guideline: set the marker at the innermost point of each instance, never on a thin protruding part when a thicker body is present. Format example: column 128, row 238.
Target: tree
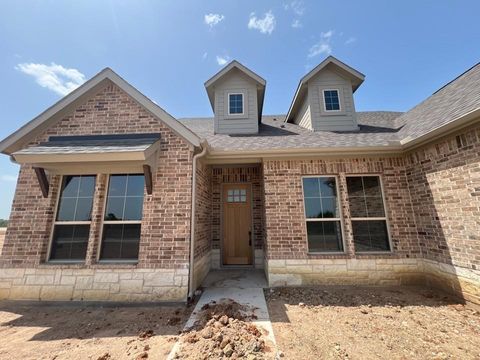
column 3, row 223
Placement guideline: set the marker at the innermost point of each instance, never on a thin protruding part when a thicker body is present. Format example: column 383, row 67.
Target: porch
column 229, row 225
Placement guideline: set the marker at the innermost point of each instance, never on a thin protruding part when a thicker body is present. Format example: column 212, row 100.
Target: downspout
column 196, row 157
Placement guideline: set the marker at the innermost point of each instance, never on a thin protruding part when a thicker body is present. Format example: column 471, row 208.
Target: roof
column 65, row 105
column 355, row 76
column 456, row 100
column 261, row 83
column 454, row 105
column 88, row 144
column 377, row 129
column 71, row 149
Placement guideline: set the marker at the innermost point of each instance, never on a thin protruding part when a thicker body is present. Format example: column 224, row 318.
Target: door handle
column 249, row 238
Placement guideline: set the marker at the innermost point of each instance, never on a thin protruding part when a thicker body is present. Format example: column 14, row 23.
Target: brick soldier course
column 431, row 193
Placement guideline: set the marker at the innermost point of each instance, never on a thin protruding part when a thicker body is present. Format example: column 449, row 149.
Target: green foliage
column 3, row 223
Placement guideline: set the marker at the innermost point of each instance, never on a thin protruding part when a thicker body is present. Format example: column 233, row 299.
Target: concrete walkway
column 243, row 286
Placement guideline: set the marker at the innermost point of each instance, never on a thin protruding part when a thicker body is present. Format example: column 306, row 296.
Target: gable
column 69, row 103
column 110, row 111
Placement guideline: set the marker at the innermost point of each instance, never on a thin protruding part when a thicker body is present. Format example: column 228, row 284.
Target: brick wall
column 444, row 183
column 203, row 221
column 203, row 213
column 284, row 208
column 2, row 237
column 166, row 213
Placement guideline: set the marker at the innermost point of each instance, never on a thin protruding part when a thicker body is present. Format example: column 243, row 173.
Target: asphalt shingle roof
column 456, row 99
column 377, row 128
column 92, row 144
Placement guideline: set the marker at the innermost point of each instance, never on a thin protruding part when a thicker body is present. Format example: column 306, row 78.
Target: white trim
column 342, row 223
column 299, row 93
column 261, row 83
column 243, row 103
column 239, row 66
column 378, row 218
column 325, row 104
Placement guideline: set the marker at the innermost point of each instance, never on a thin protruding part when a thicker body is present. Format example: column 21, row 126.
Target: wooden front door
column 237, row 224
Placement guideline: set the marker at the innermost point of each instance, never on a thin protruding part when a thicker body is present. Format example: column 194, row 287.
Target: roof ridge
column 458, row 77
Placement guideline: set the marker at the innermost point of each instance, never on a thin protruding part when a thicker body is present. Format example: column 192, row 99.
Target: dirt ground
column 225, row 330
column 87, row 332
column 372, row 323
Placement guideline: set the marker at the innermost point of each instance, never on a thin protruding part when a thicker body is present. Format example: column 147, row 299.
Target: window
column 123, row 217
column 367, row 211
column 72, row 223
column 235, row 104
column 331, row 100
column 237, row 195
column 322, row 213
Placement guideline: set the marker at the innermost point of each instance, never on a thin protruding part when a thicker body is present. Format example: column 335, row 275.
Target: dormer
column 236, row 94
column 324, row 98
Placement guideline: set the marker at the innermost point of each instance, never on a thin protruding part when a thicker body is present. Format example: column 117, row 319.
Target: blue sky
column 167, row 49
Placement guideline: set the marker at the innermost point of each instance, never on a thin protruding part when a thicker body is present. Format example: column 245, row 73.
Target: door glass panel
column 237, row 195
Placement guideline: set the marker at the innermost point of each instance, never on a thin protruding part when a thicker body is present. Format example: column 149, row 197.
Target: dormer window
column 331, row 100
column 235, row 104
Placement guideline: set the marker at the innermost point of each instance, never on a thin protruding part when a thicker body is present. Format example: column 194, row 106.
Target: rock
column 143, row 355
column 224, row 320
column 224, row 342
column 301, row 304
column 218, row 325
column 207, row 333
column 228, row 350
column 105, row 356
column 280, row 354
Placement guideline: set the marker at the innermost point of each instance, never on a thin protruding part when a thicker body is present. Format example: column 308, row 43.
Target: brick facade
column 444, row 183
column 284, row 208
column 432, row 197
column 203, row 223
column 165, row 235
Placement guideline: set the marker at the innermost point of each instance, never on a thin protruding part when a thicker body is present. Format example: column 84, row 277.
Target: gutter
column 204, row 146
column 394, row 147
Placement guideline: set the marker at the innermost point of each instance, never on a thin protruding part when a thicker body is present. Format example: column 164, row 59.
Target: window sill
column 323, row 253
column 64, row 262
column 117, row 262
column 374, row 253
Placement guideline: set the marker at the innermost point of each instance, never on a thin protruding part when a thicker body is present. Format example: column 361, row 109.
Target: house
column 118, row 200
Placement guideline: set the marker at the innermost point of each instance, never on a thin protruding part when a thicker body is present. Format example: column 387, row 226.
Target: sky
column 168, row 49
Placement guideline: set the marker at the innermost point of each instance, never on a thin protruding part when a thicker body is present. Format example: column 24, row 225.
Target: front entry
column 237, row 224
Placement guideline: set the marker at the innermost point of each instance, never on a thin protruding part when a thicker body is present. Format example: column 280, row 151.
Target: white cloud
column 204, row 56
column 8, row 178
column 350, row 40
column 265, row 25
column 296, row 6
column 213, row 19
column 222, row 60
column 53, row 77
column 324, row 46
column 296, row 24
